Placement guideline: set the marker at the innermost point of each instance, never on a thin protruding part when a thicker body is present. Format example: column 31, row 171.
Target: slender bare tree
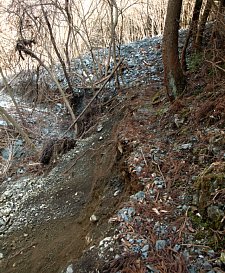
column 173, row 76
column 192, row 32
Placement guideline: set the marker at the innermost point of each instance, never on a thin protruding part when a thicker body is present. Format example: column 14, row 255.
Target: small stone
column 176, row 248
column 144, row 255
column 105, row 241
column 207, row 265
column 192, row 269
column 7, row 193
column 116, row 193
column 160, row 245
column 126, row 214
column 186, row 146
column 1, row 255
column 101, row 138
column 145, row 248
column 138, row 169
column 215, row 213
column 93, row 218
column 139, row 196
column 211, row 253
column 2, row 222
column 186, row 255
column 99, row 128
column 174, row 228
column 69, row 269
column 6, row 211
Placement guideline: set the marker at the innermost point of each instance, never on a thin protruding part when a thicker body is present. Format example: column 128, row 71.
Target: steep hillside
column 141, row 191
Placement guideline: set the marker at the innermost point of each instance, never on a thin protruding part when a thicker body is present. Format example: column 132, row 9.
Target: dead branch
column 94, row 97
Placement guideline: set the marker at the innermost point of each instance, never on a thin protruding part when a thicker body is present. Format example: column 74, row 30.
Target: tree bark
column 174, row 78
column 192, row 32
column 202, row 23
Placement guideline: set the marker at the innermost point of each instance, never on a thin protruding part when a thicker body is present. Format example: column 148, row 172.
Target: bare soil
column 88, row 181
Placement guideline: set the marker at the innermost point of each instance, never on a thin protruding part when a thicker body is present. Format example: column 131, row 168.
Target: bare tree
column 192, row 32
column 202, row 23
column 173, row 76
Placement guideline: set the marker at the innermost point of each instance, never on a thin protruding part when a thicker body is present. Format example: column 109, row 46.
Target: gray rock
column 5, row 153
column 160, row 245
column 145, row 248
column 69, row 269
column 211, row 253
column 6, row 211
column 207, row 266
column 2, row 222
column 126, row 213
column 186, row 146
column 193, row 269
column 139, row 196
column 3, row 123
column 214, row 213
column 99, row 128
column 176, row 248
column 93, row 218
column 186, row 255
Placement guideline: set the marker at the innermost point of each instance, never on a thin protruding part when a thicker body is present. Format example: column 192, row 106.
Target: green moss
column 208, row 183
column 205, row 232
column 198, row 222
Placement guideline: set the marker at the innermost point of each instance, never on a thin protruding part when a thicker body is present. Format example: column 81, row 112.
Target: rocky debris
column 20, row 203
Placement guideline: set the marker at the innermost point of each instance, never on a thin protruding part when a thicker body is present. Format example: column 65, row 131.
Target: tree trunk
column 192, row 32
column 173, row 76
column 201, row 28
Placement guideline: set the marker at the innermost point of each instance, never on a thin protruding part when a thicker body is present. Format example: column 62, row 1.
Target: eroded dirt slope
column 86, row 182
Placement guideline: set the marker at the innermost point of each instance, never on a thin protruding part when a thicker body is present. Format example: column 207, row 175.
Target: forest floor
column 143, row 191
